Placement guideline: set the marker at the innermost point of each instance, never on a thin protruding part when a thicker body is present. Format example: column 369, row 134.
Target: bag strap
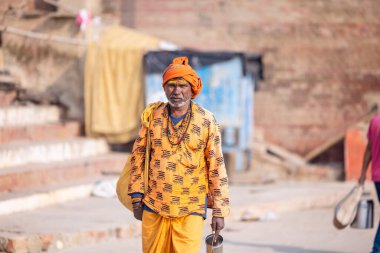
column 147, row 156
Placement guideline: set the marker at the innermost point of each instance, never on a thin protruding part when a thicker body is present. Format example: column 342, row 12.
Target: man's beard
column 175, row 105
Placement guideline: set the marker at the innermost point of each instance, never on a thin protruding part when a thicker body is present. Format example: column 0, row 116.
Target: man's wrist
column 136, row 200
column 136, row 197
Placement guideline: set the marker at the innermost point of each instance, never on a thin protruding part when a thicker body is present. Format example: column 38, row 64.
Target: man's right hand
column 138, row 210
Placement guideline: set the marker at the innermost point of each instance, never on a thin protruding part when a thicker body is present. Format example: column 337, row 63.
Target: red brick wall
column 355, row 146
column 321, row 58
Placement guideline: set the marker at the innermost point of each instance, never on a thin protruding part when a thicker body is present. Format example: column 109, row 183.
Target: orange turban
column 180, row 68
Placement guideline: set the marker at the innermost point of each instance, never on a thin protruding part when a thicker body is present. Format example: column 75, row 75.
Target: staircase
column 48, row 171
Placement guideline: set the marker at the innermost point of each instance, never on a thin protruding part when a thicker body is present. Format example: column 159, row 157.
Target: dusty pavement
column 284, row 217
column 308, row 231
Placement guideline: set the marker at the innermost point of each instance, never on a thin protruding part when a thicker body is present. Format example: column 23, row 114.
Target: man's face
column 178, row 92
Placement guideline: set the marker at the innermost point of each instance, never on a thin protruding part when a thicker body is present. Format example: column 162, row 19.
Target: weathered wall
column 321, row 57
column 52, row 72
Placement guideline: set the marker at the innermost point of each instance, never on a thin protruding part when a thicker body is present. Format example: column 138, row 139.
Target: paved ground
column 308, row 231
column 295, row 217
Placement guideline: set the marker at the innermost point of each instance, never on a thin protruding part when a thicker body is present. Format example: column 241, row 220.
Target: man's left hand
column 138, row 210
column 217, row 224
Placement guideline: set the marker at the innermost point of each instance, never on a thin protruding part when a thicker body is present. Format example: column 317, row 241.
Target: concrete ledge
column 57, row 131
column 22, row 153
column 28, row 115
column 53, row 242
column 41, row 175
column 38, row 200
column 74, row 223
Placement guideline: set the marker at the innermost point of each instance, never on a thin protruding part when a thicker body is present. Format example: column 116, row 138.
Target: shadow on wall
column 67, row 90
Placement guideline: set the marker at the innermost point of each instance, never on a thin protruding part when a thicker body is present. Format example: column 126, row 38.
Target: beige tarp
column 114, row 96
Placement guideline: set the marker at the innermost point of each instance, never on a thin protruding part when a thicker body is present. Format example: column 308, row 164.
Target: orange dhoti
column 168, row 235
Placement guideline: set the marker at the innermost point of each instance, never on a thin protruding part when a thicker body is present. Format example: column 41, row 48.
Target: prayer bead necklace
column 177, row 131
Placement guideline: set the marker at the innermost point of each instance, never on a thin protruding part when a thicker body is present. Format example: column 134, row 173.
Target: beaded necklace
column 180, row 131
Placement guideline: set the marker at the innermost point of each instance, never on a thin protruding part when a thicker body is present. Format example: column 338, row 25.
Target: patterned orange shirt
column 180, row 176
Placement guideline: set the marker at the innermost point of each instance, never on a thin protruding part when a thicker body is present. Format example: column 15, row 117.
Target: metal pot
column 214, row 247
column 364, row 215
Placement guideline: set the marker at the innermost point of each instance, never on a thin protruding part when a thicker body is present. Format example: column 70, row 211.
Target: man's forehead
column 179, row 80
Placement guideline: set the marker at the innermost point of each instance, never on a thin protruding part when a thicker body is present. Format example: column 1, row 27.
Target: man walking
column 372, row 154
column 186, row 169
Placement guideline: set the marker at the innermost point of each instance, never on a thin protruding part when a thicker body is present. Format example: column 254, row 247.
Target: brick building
column 321, row 58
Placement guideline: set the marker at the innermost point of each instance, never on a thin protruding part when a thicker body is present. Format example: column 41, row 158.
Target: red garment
column 180, row 68
column 374, row 139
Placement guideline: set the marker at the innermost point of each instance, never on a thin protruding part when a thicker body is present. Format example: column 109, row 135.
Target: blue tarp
column 220, row 94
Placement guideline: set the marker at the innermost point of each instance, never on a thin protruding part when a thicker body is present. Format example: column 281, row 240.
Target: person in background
column 186, row 169
column 372, row 155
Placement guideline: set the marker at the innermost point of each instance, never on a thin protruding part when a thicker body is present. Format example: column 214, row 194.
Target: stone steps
column 40, row 175
column 38, row 197
column 57, row 131
column 48, row 173
column 25, row 152
column 28, row 115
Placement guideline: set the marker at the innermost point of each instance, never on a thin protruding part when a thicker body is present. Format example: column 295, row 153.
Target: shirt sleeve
column 217, row 174
column 136, row 183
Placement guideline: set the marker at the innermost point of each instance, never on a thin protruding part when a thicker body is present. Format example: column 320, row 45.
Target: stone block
column 17, row 245
column 42, row 175
column 28, row 115
column 6, row 98
column 57, row 131
column 23, row 153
